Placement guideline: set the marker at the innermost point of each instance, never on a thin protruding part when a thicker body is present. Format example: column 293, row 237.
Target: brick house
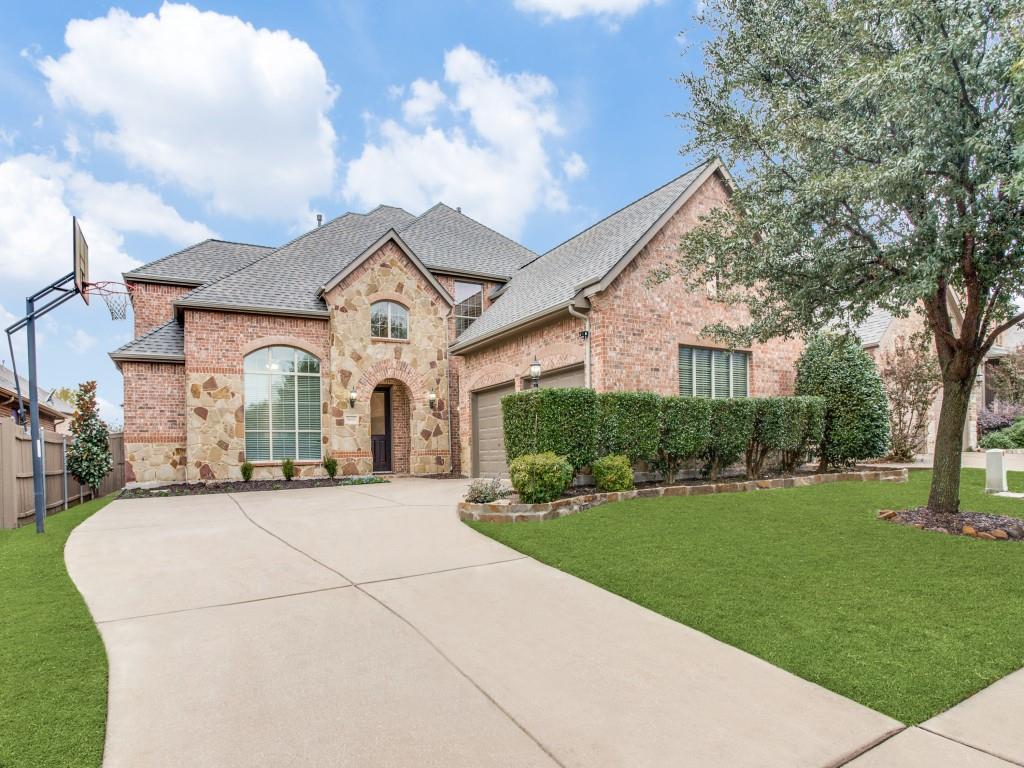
column 386, row 340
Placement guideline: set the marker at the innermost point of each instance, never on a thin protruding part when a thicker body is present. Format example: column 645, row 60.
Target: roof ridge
column 616, row 212
column 488, row 228
column 237, row 242
column 169, row 255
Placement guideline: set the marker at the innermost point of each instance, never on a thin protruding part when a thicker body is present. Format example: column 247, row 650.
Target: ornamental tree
column 911, row 377
column 88, row 457
column 874, row 144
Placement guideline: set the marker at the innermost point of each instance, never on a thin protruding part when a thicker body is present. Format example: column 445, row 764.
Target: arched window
column 282, row 405
column 389, row 320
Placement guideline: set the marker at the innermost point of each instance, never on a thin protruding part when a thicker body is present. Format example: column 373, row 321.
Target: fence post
column 64, row 465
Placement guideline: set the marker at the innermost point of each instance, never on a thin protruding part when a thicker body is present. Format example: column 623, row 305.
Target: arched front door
column 380, row 429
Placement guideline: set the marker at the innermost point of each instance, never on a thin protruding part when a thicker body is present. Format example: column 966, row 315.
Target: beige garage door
column 563, row 377
column 488, row 435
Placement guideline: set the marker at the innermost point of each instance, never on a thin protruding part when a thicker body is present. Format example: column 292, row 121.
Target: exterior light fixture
column 432, row 399
column 535, row 373
column 352, row 398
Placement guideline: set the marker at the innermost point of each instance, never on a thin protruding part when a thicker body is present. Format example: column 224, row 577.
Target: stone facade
column 362, row 363
column 153, row 304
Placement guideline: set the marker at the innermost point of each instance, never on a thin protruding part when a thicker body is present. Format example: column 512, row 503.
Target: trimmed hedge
column 560, row 421
column 685, row 432
column 540, row 477
column 732, row 424
column 785, row 426
column 613, row 473
column 856, row 418
column 628, row 424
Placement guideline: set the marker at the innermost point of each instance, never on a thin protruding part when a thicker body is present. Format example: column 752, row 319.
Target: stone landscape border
column 508, row 512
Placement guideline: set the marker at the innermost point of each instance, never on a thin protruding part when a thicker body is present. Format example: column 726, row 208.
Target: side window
column 469, row 304
column 282, row 405
column 389, row 320
column 713, row 372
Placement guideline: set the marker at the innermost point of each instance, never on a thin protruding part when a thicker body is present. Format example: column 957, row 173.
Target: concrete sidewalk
column 366, row 626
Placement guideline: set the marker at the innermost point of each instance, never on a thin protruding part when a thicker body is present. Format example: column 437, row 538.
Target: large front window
column 389, row 320
column 469, row 304
column 712, row 372
column 282, row 405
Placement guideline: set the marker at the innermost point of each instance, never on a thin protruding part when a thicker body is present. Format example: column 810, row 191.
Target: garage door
column 563, row 377
column 488, row 435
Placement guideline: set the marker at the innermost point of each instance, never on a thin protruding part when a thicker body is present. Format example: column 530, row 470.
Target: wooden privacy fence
column 17, row 503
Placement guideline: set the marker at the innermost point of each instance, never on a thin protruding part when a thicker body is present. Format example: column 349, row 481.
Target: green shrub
column 560, row 421
column 732, row 423
column 628, row 424
column 685, row 432
column 331, row 466
column 856, row 416
column 613, row 473
column 540, row 477
column 288, row 469
column 247, row 470
column 1011, row 437
column 812, row 419
column 783, row 426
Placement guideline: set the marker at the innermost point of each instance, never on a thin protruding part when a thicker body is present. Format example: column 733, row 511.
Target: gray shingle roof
column 445, row 239
column 874, row 326
column 553, row 280
column 288, row 279
column 200, row 263
column 44, row 395
column 165, row 342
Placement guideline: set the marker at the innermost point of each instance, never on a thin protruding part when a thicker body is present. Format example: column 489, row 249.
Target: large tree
column 873, row 145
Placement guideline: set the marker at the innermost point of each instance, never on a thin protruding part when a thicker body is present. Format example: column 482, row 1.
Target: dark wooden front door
column 380, row 429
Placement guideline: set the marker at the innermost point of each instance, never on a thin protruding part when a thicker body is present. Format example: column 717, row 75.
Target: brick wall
column 216, row 342
column 636, row 328
column 154, row 422
column 152, row 304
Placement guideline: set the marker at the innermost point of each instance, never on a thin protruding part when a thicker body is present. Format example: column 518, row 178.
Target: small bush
column 685, row 432
column 856, row 420
column 732, row 423
column 486, row 490
column 331, row 466
column 540, row 477
column 247, row 470
column 998, row 439
column 561, row 421
column 1000, row 415
column 613, row 473
column 784, row 427
column 628, row 424
column 288, row 469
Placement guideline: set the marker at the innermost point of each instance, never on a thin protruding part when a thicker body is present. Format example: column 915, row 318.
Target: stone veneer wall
column 154, row 422
column 362, row 362
column 215, row 346
column 153, row 304
column 636, row 329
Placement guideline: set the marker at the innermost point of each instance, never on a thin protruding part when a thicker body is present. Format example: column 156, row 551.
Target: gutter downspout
column 448, row 388
column 586, row 343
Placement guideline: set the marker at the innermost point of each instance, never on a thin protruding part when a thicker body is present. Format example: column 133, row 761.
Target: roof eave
column 252, row 310
column 497, row 334
column 157, row 279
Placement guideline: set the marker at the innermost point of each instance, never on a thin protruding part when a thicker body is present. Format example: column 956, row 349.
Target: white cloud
column 425, row 97
column 81, row 341
column 37, row 198
column 493, row 161
column 72, row 144
column 574, row 166
column 571, row 9
column 234, row 114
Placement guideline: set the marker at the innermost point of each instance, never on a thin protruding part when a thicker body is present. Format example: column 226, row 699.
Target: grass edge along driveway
column 53, row 667
column 907, row 622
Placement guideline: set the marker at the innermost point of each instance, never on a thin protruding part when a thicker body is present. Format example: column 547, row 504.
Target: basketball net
column 117, row 296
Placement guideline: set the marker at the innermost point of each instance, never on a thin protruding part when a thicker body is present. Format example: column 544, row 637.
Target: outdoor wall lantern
column 432, row 399
column 535, row 373
column 352, row 398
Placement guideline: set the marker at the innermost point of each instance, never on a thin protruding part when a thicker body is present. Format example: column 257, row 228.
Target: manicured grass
column 908, row 622
column 53, row 669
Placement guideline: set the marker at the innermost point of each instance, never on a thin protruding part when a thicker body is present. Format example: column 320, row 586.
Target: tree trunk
column 944, row 497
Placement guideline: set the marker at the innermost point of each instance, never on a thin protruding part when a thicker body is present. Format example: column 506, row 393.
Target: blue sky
column 159, row 125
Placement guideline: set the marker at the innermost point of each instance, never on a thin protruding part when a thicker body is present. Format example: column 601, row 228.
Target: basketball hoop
column 117, row 296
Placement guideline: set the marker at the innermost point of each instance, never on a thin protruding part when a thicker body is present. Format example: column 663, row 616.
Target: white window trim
column 270, row 409
column 390, row 304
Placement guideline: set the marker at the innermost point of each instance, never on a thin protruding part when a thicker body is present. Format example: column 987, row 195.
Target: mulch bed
column 974, row 524
column 241, row 486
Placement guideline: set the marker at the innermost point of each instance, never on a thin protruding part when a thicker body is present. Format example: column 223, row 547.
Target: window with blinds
column 712, row 372
column 282, row 405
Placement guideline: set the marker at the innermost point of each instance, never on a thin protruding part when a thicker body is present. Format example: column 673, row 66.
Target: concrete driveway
column 365, row 626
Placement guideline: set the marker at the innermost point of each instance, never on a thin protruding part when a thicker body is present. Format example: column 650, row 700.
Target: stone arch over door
column 401, row 424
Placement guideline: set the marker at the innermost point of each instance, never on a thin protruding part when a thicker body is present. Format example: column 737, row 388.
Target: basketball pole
column 66, row 289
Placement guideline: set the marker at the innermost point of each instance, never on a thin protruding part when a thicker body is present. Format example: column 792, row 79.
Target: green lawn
column 53, row 669
column 908, row 622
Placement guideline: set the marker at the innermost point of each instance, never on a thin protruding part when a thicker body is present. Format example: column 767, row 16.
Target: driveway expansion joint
column 1004, row 758
column 355, row 585
column 849, row 758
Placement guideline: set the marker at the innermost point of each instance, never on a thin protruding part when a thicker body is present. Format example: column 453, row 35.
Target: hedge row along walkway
column 508, row 512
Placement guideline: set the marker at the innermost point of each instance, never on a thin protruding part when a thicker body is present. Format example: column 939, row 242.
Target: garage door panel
column 488, row 433
column 564, row 377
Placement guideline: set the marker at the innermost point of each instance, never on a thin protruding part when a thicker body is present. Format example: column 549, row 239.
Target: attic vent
column 319, row 219
column 459, row 209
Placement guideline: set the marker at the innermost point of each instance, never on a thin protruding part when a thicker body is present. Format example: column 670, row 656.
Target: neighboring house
column 386, row 340
column 54, row 413
column 879, row 333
